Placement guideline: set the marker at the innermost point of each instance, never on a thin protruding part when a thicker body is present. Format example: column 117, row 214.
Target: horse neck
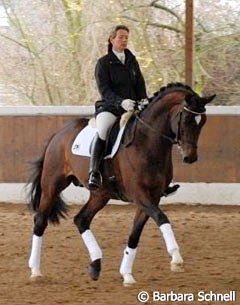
column 157, row 129
column 158, row 115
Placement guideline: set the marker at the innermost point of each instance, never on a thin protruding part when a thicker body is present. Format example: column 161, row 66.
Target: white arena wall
column 188, row 193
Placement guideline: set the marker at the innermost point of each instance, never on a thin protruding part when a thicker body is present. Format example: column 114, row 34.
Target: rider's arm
column 103, row 80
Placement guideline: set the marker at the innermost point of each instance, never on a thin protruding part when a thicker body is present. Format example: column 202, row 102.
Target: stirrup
column 95, row 180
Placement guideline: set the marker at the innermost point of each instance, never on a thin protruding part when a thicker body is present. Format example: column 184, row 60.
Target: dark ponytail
column 113, row 34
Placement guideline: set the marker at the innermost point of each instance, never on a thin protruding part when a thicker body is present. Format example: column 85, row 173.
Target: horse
column 142, row 170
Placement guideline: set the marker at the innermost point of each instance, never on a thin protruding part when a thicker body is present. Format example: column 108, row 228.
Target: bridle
column 194, row 112
column 177, row 139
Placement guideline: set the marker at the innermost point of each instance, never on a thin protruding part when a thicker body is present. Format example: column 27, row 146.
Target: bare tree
column 50, row 48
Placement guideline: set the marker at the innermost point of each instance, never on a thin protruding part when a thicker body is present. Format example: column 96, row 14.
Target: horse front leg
column 172, row 247
column 131, row 249
column 83, row 220
column 165, row 227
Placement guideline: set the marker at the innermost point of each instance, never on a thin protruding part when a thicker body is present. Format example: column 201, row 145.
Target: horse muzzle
column 189, row 154
column 190, row 159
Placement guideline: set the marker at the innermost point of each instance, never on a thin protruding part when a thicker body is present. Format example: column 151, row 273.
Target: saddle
column 117, row 135
column 127, row 137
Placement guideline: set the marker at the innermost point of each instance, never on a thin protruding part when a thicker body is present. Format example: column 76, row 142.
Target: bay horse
column 143, row 170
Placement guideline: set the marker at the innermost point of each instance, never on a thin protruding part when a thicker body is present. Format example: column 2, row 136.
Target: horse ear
column 208, row 99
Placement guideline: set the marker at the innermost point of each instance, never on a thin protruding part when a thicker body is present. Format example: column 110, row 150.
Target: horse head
column 188, row 123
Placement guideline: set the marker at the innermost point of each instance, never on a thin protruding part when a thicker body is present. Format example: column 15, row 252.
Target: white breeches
column 104, row 121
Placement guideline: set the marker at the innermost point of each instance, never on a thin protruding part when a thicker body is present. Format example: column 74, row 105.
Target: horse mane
column 172, row 87
column 166, row 105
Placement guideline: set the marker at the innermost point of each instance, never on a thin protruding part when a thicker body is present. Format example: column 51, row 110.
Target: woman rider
column 120, row 84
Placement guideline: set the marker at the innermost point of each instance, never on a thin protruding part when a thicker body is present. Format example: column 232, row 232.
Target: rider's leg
column 104, row 121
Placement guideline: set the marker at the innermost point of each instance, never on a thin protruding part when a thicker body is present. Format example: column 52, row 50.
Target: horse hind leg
column 83, row 220
column 50, row 207
column 130, row 251
column 40, row 224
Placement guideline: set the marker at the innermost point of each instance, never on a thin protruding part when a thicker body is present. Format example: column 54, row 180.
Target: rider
column 120, row 83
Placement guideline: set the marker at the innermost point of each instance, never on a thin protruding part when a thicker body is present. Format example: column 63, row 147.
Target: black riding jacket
column 117, row 81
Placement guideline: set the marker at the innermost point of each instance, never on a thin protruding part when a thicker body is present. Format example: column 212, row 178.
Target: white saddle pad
column 82, row 143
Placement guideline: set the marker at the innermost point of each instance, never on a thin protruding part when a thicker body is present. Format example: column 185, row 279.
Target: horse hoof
column 176, row 258
column 128, row 280
column 35, row 275
column 95, row 269
column 177, row 267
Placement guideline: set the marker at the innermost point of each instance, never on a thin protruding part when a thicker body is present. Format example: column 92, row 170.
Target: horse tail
column 34, row 192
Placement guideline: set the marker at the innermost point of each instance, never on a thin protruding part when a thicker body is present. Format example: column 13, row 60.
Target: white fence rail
column 89, row 110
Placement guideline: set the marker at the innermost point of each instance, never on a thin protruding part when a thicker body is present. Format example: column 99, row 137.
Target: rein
column 173, row 141
column 142, row 122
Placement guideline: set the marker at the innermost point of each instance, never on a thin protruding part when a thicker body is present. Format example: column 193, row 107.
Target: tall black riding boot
column 95, row 178
column 171, row 190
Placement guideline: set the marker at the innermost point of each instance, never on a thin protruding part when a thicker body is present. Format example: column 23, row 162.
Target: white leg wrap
column 169, row 238
column 90, row 242
column 127, row 261
column 34, row 260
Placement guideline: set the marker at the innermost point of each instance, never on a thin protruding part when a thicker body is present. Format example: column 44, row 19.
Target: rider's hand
column 128, row 105
column 142, row 104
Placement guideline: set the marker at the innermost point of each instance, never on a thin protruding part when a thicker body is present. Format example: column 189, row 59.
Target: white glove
column 142, row 104
column 128, row 105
